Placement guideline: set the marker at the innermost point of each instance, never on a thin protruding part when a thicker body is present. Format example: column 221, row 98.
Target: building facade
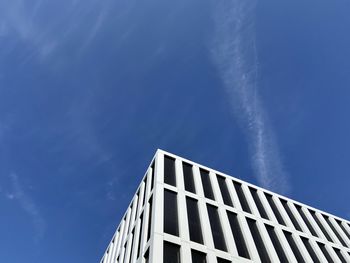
column 186, row 212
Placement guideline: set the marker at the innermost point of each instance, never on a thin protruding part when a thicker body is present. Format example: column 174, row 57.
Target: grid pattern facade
column 186, row 212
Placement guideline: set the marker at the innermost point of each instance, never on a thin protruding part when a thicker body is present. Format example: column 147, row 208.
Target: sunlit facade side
column 186, row 212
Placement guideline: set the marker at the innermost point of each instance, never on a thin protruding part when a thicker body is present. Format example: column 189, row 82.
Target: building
column 186, row 212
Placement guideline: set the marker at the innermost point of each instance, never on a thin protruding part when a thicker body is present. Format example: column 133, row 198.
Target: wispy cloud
column 98, row 22
column 234, row 52
column 18, row 19
column 28, row 205
column 23, row 21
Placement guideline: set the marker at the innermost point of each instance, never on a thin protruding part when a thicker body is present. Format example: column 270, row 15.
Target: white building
column 186, row 212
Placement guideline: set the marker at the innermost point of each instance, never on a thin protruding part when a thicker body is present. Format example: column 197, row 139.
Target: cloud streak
column 28, row 205
column 20, row 20
column 234, row 53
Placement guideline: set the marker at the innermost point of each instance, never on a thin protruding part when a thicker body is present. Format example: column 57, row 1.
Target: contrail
column 234, row 53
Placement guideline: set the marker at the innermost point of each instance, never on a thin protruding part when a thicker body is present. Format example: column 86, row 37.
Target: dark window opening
column 140, row 236
column 258, row 203
column 152, row 176
column 343, row 228
column 149, row 219
column 293, row 246
column 208, row 191
column 340, row 255
column 194, row 223
column 169, row 171
column 335, row 231
column 237, row 235
column 137, row 202
column 216, row 229
column 146, row 256
column 291, row 215
column 241, row 197
column 275, row 209
column 124, row 254
column 224, row 191
column 325, row 252
column 221, row 260
column 310, row 250
column 171, row 253
column 198, row 257
column 188, row 177
column 144, row 192
column 170, row 213
column 324, row 231
column 276, row 243
column 264, row 256
column 306, row 220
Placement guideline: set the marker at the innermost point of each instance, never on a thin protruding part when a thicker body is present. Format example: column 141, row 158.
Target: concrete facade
column 231, row 221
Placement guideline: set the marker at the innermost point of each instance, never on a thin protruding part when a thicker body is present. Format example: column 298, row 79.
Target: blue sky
column 90, row 89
